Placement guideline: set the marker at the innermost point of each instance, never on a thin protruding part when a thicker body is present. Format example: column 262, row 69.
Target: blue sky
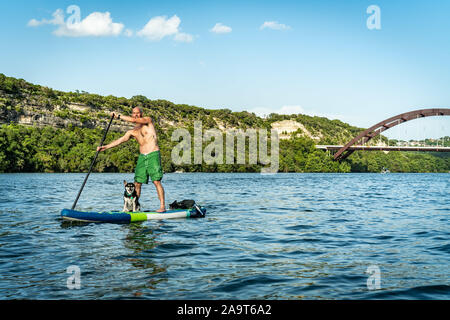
column 313, row 57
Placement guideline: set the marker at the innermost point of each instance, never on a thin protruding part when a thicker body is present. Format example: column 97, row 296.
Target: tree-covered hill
column 46, row 130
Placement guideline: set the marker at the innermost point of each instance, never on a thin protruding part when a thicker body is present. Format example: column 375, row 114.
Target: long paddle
column 92, row 164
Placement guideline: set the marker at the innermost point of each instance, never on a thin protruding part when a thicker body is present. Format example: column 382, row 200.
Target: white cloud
column 34, row 23
column 96, row 24
column 58, row 19
column 261, row 112
column 101, row 24
column 183, row 37
column 291, row 110
column 274, row 26
column 220, row 28
column 159, row 27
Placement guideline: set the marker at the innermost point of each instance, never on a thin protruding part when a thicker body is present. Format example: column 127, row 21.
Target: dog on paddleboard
column 130, row 198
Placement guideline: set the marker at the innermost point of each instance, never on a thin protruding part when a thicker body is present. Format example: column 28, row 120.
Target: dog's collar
column 129, row 195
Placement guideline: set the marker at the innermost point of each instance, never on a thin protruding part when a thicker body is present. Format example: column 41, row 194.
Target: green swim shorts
column 148, row 165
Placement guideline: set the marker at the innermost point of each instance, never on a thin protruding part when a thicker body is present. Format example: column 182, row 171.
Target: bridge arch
column 384, row 125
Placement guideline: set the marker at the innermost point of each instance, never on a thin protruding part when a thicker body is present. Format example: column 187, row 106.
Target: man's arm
column 115, row 143
column 143, row 120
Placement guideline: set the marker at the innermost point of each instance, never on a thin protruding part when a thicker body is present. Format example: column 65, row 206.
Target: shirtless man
column 149, row 161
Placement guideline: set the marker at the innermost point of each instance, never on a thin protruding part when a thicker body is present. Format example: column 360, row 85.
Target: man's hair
column 140, row 110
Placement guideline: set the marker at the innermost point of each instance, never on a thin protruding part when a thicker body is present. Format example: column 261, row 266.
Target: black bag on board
column 184, row 204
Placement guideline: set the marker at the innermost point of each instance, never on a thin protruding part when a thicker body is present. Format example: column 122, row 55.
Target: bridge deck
column 384, row 148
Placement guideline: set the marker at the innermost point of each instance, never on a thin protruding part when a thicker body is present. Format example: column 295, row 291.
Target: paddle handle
column 92, row 164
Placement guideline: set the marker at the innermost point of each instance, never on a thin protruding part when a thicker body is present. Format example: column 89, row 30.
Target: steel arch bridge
column 384, row 125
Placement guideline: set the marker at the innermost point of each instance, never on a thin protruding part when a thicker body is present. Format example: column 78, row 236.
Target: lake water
column 283, row 236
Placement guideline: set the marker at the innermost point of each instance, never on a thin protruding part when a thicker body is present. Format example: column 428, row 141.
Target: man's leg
column 140, row 175
column 137, row 186
column 161, row 196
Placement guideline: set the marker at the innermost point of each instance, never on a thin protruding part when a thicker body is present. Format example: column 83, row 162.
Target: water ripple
column 284, row 236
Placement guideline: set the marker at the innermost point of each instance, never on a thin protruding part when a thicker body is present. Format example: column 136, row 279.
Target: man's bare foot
column 161, row 210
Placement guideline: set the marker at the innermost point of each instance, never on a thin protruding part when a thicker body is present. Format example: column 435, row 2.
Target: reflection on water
column 285, row 236
column 140, row 239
